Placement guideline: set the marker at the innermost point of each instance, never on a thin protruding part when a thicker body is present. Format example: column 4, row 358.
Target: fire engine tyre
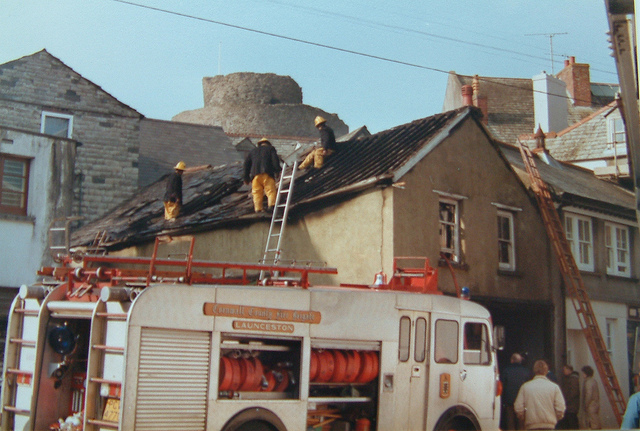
column 255, row 419
column 457, row 418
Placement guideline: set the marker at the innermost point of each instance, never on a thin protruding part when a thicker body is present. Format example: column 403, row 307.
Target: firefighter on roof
column 327, row 145
column 173, row 195
column 260, row 167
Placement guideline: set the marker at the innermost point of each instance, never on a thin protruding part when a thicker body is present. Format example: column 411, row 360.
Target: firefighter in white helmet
column 173, row 195
column 326, row 148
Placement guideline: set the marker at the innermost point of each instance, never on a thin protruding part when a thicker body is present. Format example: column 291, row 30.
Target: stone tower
column 258, row 104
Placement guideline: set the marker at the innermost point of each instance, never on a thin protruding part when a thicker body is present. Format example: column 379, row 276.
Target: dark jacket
column 327, row 138
column 570, row 386
column 513, row 376
column 174, row 188
column 261, row 160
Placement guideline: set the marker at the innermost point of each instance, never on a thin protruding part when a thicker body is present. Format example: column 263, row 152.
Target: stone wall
column 108, row 130
column 258, row 103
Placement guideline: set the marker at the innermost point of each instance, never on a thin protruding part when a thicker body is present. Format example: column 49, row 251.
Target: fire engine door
column 445, row 364
column 477, row 372
column 412, row 370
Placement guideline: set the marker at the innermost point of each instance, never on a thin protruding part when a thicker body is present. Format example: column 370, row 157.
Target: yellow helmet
column 265, row 140
column 180, row 166
column 319, row 120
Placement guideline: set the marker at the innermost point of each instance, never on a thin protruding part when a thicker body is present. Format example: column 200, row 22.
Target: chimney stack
column 467, row 95
column 578, row 80
column 480, row 100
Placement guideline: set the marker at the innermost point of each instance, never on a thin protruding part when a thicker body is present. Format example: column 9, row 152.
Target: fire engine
column 102, row 344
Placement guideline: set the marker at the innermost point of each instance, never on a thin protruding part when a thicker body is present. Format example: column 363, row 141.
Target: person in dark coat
column 326, row 148
column 512, row 377
column 260, row 168
column 570, row 386
column 173, row 195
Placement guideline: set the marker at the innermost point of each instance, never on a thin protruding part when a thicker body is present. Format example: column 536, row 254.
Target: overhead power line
column 320, row 45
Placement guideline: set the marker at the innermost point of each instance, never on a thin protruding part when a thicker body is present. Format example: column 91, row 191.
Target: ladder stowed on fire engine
column 575, row 285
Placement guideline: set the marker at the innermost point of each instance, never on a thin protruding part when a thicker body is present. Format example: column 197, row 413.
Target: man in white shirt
column 540, row 404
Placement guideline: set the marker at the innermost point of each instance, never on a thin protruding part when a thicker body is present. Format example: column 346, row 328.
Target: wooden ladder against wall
column 574, row 284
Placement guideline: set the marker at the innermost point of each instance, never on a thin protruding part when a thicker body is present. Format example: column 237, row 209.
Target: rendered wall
column 24, row 239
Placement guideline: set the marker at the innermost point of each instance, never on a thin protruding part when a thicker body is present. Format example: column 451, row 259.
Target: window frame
column 453, row 253
column 577, row 243
column 444, row 347
column 12, row 209
column 511, row 264
column 610, row 331
column 613, row 249
column 615, row 130
column 48, row 114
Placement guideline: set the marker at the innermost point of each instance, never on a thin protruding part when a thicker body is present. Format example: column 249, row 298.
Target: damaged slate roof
column 573, row 185
column 216, row 196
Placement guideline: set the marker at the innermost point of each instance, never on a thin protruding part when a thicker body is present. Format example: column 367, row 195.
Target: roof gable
column 43, row 79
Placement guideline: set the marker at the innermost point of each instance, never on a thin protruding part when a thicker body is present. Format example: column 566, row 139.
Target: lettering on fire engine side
column 261, row 313
column 248, row 325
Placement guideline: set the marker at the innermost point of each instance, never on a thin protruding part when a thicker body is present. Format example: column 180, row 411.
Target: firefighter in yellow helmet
column 326, row 148
column 173, row 195
column 260, row 168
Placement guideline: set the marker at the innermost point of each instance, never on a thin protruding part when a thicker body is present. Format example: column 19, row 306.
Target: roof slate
column 164, row 143
column 216, row 196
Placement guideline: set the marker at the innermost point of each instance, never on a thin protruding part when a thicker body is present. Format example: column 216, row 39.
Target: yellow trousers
column 316, row 157
column 171, row 210
column 263, row 184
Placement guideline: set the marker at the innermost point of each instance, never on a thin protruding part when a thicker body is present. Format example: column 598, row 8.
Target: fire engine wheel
column 255, row 419
column 459, row 419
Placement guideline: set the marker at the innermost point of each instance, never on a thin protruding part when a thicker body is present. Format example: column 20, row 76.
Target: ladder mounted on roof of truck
column 574, row 284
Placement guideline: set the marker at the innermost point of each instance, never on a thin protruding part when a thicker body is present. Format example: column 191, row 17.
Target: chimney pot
column 572, row 59
column 467, row 95
column 566, row 62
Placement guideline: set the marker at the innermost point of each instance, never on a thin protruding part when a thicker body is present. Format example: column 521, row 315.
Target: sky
column 372, row 62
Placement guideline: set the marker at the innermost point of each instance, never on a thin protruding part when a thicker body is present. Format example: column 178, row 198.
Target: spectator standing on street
column 540, row 404
column 590, row 400
column 570, row 385
column 513, row 376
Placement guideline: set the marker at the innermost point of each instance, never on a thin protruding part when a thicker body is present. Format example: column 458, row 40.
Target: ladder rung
column 100, row 380
column 17, row 411
column 114, row 316
column 26, row 312
column 108, row 349
column 26, row 343
column 101, row 423
column 58, row 229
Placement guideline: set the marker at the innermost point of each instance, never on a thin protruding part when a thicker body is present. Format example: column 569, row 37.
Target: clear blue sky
column 155, row 61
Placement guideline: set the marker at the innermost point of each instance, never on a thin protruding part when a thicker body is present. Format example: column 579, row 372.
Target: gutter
column 361, row 185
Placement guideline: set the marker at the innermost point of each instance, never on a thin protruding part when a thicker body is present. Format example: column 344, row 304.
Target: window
column 14, row 183
column 610, row 329
column 578, row 232
column 56, row 124
column 449, row 229
column 476, row 344
column 616, row 241
column 506, row 247
column 405, row 339
column 446, row 345
column 421, row 340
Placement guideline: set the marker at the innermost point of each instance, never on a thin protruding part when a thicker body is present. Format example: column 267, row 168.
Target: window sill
column 16, row 217
column 456, row 265
column 508, row 273
column 622, row 277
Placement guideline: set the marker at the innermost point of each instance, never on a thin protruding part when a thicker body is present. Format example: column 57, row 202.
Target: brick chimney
column 467, row 95
column 480, row 100
column 578, row 80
